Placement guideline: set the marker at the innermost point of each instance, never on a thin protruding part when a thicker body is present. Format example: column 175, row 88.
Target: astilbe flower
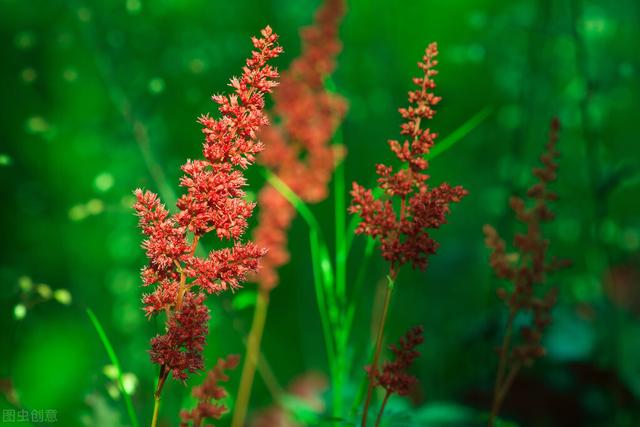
column 214, row 202
column 210, row 394
column 527, row 270
column 298, row 149
column 401, row 218
column 403, row 235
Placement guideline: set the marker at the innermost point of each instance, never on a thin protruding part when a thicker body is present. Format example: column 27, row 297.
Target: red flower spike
column 298, row 149
column 180, row 348
column 403, row 235
column 214, row 201
column 528, row 267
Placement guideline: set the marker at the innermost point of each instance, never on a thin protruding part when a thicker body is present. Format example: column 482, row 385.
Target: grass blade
column 114, row 360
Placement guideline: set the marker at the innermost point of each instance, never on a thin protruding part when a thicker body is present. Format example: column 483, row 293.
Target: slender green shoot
column 114, row 360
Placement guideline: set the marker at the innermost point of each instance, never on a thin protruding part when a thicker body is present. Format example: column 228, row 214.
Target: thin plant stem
column 162, row 377
column 251, row 359
column 376, row 355
column 156, row 409
column 341, row 331
column 321, row 300
column 114, row 360
column 362, row 388
column 502, row 366
column 507, row 383
column 384, row 403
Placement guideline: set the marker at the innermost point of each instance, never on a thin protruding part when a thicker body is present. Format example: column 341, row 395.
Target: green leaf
column 244, row 299
column 114, row 360
column 301, row 410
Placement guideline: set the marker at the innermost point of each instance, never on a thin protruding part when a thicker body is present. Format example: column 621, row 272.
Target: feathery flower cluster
column 298, row 149
column 404, row 235
column 214, row 202
column 209, row 394
column 393, row 376
column 528, row 268
column 180, row 348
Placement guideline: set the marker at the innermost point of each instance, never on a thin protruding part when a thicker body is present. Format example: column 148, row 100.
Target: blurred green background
column 100, row 97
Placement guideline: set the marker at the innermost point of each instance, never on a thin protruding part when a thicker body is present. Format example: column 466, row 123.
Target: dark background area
column 81, row 79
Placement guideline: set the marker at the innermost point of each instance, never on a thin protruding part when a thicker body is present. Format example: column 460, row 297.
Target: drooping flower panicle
column 214, row 201
column 527, row 269
column 403, row 232
column 298, row 149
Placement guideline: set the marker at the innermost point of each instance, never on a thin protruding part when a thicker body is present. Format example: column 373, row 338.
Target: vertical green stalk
column 341, row 330
column 114, row 360
column 376, row 356
column 384, row 404
column 251, row 359
column 156, row 410
column 321, row 300
column 502, row 366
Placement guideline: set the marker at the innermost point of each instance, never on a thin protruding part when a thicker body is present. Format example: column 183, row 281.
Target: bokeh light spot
column 156, row 85
column 103, row 182
column 28, row 75
column 25, row 40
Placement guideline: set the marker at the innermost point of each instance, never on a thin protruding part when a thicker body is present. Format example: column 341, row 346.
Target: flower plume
column 298, row 149
column 403, row 232
column 214, row 202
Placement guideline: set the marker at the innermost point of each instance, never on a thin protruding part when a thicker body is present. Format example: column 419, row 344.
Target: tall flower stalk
column 214, row 202
column 299, row 153
column 527, row 270
column 401, row 219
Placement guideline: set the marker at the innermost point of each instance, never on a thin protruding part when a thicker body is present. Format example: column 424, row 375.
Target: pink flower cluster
column 404, row 235
column 299, row 149
column 214, row 202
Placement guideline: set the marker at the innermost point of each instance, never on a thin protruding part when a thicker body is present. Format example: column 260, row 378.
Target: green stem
column 376, row 356
column 162, row 377
column 321, row 300
column 114, row 360
column 156, row 409
column 502, row 365
column 384, row 403
column 251, row 359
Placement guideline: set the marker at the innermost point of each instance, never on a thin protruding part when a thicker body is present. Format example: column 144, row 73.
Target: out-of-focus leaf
column 114, row 360
column 244, row 299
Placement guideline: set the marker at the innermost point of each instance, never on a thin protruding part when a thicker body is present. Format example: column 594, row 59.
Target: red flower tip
column 214, row 201
column 404, row 233
column 299, row 148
